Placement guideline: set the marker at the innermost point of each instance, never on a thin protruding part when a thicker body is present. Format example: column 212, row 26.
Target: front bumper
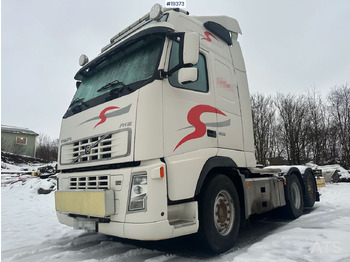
column 109, row 207
column 140, row 231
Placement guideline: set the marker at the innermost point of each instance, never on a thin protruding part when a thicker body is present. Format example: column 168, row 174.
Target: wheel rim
column 296, row 196
column 310, row 186
column 224, row 212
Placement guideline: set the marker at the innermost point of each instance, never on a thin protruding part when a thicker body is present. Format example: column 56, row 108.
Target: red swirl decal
column 208, row 34
column 102, row 114
column 193, row 117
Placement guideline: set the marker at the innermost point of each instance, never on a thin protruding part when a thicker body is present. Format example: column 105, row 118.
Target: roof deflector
column 219, row 30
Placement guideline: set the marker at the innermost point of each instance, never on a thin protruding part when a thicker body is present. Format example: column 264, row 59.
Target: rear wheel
column 295, row 203
column 310, row 189
column 219, row 214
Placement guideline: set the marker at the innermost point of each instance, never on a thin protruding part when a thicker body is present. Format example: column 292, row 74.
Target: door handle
column 211, row 133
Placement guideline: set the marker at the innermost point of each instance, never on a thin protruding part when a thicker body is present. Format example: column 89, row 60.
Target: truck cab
column 159, row 133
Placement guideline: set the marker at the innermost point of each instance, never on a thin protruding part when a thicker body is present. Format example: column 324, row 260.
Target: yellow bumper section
column 91, row 203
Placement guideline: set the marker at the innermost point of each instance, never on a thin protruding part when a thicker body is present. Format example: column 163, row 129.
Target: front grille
column 89, row 182
column 97, row 148
column 94, row 148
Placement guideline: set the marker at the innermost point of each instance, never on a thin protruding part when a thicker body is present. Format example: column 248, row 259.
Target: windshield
column 118, row 75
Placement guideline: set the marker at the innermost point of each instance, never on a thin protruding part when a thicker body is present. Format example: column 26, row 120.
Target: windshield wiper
column 111, row 84
column 76, row 105
column 77, row 101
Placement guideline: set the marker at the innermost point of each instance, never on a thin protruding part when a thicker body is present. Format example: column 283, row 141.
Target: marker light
column 162, row 171
column 83, row 60
column 156, row 12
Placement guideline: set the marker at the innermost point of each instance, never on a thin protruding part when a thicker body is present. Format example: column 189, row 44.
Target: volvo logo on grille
column 87, row 148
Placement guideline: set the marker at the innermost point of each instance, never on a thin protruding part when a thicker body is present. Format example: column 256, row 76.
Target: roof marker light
column 156, row 12
column 83, row 60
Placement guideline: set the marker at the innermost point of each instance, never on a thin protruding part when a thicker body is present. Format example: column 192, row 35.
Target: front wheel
column 219, row 214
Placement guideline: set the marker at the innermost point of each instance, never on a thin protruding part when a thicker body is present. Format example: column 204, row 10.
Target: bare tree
column 263, row 114
column 47, row 149
column 339, row 110
column 303, row 128
column 292, row 112
column 277, row 141
column 317, row 128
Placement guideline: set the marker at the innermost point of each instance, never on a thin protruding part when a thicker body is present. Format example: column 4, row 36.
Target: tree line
column 47, row 148
column 303, row 128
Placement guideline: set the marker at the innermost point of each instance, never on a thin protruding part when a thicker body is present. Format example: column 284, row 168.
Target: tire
column 295, row 201
column 310, row 189
column 219, row 214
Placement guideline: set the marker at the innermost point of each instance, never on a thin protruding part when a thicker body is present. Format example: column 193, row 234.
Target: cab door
column 230, row 134
column 189, row 115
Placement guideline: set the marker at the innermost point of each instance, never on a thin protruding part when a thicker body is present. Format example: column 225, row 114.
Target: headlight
column 138, row 192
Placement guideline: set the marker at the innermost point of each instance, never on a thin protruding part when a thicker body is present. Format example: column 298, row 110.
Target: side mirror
column 187, row 74
column 190, row 48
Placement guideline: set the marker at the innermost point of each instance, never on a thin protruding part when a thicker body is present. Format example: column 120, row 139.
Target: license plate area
column 85, row 224
column 94, row 203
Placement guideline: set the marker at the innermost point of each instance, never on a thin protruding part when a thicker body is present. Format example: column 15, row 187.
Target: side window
column 201, row 84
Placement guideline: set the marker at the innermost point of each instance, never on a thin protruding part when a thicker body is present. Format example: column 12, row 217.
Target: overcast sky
column 289, row 46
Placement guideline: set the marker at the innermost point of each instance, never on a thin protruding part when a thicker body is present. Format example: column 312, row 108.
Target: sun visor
column 159, row 30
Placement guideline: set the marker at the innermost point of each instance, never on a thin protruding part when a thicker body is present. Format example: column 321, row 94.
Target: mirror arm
column 180, row 36
column 174, row 69
column 174, row 37
column 161, row 74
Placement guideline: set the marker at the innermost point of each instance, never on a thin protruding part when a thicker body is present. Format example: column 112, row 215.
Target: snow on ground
column 320, row 235
column 31, row 232
column 27, row 217
column 13, row 172
column 330, row 168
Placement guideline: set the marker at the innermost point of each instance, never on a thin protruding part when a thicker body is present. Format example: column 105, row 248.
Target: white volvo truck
column 158, row 139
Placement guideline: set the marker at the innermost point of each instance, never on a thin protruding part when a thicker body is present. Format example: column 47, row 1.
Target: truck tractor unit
column 158, row 139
